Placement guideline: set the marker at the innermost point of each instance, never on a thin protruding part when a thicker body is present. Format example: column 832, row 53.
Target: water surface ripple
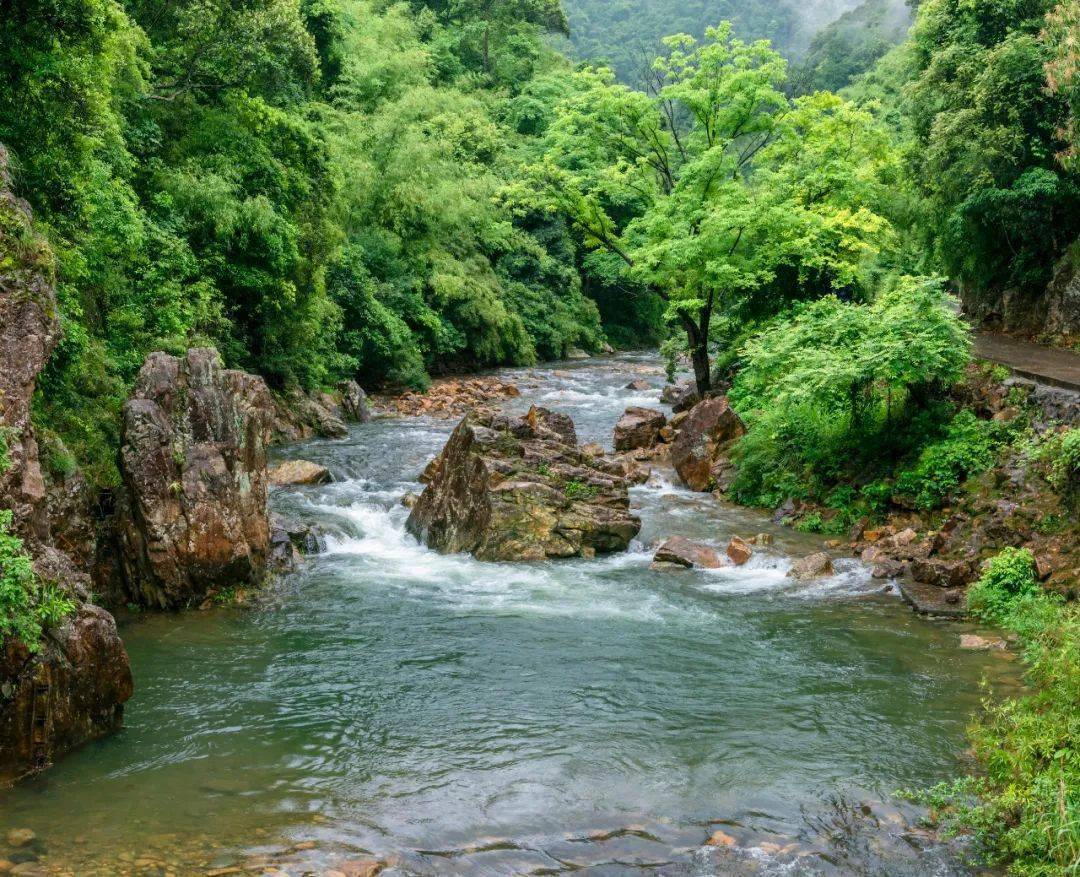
column 473, row 718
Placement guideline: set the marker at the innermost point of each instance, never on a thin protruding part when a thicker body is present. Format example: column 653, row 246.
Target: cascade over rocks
column 193, row 458
column 699, row 452
column 519, row 488
column 77, row 681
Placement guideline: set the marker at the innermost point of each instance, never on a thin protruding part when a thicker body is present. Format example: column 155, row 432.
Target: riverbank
column 436, row 714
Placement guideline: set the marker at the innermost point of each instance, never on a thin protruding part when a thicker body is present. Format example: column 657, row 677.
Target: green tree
column 1000, row 209
column 715, row 184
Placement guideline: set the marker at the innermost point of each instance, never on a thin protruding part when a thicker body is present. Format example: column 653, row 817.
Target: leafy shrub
column 1064, row 452
column 836, row 392
column 1009, row 579
column 26, row 607
column 966, row 449
column 1024, row 811
column 576, row 490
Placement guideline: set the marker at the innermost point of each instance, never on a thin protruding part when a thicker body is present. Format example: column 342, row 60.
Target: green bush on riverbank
column 1024, row 810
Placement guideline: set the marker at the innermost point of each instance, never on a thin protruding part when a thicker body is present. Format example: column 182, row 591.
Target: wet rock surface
column 519, row 488
column 298, row 472
column 638, row 428
column 193, row 458
column 814, row 566
column 73, row 687
column 705, row 436
column 682, row 552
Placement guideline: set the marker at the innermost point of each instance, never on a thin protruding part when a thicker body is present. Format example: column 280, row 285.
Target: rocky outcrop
column 519, row 488
column 193, row 458
column 700, row 450
column 682, row 552
column 638, row 428
column 29, row 329
column 1054, row 311
column 72, row 690
column 298, row 416
column 354, row 403
column 73, row 687
column 298, row 472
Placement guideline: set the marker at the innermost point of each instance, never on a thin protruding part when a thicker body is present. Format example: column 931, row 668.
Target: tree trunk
column 699, row 355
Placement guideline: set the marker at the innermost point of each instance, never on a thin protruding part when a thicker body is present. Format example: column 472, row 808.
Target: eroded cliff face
column 1055, row 312
column 192, row 515
column 74, row 686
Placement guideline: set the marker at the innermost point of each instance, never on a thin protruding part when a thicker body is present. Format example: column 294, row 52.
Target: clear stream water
column 459, row 717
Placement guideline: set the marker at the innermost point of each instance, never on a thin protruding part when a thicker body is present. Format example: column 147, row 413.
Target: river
column 456, row 717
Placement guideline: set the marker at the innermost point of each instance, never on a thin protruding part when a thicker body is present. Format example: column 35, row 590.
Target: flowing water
column 451, row 716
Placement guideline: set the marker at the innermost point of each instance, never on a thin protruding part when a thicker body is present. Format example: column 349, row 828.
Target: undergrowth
column 1024, row 810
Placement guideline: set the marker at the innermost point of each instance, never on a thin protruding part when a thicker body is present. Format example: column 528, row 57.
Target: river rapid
column 453, row 717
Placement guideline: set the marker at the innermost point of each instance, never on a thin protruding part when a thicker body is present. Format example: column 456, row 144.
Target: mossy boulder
column 519, row 488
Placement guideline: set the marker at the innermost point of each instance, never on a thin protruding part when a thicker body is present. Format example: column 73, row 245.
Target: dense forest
column 785, row 197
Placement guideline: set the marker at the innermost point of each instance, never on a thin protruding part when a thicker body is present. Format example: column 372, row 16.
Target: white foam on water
column 376, row 539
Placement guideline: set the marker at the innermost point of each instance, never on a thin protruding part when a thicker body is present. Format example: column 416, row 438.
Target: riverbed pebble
column 20, row 837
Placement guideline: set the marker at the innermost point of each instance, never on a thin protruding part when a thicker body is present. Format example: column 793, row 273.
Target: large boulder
column 638, row 428
column 290, row 472
column 814, row 566
column 354, row 403
column 73, row 686
column 71, row 690
column 519, row 488
column 681, row 396
column 193, row 459
column 298, row 416
column 705, row 436
column 680, row 551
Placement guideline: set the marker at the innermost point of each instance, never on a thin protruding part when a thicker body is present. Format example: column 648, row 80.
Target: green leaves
column 26, row 606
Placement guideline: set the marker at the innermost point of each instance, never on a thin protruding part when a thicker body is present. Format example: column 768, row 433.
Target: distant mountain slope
column 853, row 44
column 622, row 32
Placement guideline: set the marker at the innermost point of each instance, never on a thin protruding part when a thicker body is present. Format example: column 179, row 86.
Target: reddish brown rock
column 680, row 551
column 638, row 428
column 941, row 572
column 77, row 684
column 739, row 550
column 193, row 458
column 705, row 437
column 519, row 488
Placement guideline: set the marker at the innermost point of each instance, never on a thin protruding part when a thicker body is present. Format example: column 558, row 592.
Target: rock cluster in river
column 74, row 686
column 193, row 457
column 520, row 488
column 451, row 397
